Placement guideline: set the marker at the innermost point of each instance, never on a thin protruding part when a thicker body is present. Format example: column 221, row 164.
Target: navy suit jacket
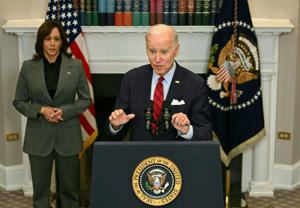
column 187, row 86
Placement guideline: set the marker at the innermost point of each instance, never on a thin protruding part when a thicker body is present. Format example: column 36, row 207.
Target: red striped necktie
column 158, row 99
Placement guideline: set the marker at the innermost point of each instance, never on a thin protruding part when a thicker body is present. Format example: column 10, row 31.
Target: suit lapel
column 147, row 79
column 39, row 76
column 64, row 74
column 176, row 84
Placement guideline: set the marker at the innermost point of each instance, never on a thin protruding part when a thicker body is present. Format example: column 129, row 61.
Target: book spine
column 110, row 12
column 145, row 14
column 76, row 4
column 173, row 12
column 206, row 12
column 95, row 12
column 82, row 12
column 136, row 13
column 182, row 12
column 219, row 7
column 88, row 12
column 119, row 13
column 197, row 14
column 102, row 12
column 127, row 12
column 152, row 12
column 191, row 11
column 159, row 12
column 213, row 11
column 166, row 6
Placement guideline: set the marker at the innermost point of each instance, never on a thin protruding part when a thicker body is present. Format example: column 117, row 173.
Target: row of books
column 147, row 12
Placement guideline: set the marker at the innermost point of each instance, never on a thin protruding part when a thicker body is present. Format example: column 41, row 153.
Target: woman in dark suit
column 52, row 91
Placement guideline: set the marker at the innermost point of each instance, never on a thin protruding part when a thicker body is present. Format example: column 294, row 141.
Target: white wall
column 2, row 144
column 10, row 152
column 287, row 152
column 296, row 146
column 10, row 118
column 19, row 9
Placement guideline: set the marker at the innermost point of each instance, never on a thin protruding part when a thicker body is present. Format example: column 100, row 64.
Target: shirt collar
column 57, row 61
column 168, row 76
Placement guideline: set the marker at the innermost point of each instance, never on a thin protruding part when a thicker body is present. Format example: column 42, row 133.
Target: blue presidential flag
column 234, row 81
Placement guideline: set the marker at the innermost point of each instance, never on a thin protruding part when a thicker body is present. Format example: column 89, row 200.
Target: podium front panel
column 198, row 162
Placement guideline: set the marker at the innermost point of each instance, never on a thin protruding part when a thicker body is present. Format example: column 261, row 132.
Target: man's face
column 161, row 51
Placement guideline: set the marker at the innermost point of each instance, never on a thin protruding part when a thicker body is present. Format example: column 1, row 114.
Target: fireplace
column 106, row 89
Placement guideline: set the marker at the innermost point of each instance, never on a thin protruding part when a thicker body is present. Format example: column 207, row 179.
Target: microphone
column 148, row 115
column 166, row 115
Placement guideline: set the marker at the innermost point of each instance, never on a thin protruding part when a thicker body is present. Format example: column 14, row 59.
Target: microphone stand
column 163, row 123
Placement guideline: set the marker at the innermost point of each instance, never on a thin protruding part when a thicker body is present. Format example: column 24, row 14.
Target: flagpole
column 235, row 17
column 227, row 187
column 233, row 95
column 58, row 12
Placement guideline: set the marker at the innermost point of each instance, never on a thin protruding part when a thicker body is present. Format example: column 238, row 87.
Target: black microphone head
column 148, row 105
column 166, row 104
column 166, row 115
column 148, row 109
column 148, row 114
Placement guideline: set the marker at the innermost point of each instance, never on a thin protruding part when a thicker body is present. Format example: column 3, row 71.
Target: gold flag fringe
column 226, row 158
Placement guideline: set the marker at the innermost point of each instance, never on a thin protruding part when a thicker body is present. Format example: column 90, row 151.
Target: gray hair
column 161, row 28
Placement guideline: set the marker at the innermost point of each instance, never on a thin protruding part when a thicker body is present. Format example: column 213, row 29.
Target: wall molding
column 12, row 177
column 287, row 176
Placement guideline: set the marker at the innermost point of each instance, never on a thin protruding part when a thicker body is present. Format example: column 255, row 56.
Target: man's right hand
column 118, row 118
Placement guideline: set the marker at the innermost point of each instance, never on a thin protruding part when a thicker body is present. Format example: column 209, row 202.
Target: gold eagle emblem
column 242, row 62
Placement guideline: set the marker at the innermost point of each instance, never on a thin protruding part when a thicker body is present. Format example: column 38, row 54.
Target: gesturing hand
column 181, row 122
column 118, row 118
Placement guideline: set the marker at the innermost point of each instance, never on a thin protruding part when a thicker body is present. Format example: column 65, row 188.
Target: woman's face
column 52, row 44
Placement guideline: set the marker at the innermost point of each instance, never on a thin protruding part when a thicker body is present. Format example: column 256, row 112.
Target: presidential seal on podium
column 156, row 181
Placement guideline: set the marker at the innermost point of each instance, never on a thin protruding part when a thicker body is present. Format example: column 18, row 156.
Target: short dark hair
column 45, row 30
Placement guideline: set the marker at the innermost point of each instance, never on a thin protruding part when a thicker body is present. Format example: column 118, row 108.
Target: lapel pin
column 177, row 82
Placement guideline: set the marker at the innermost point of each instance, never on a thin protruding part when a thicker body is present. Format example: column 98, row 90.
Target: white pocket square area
column 177, row 102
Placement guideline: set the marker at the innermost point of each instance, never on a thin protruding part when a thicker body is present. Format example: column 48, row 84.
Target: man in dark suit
column 185, row 91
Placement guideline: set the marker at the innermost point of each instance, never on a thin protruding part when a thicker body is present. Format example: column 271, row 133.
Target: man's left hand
column 181, row 122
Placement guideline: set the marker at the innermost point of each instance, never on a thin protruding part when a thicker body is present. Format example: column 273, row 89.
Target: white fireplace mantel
column 117, row 49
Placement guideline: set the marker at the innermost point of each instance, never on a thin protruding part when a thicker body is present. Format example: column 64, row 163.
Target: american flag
column 224, row 73
column 63, row 11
